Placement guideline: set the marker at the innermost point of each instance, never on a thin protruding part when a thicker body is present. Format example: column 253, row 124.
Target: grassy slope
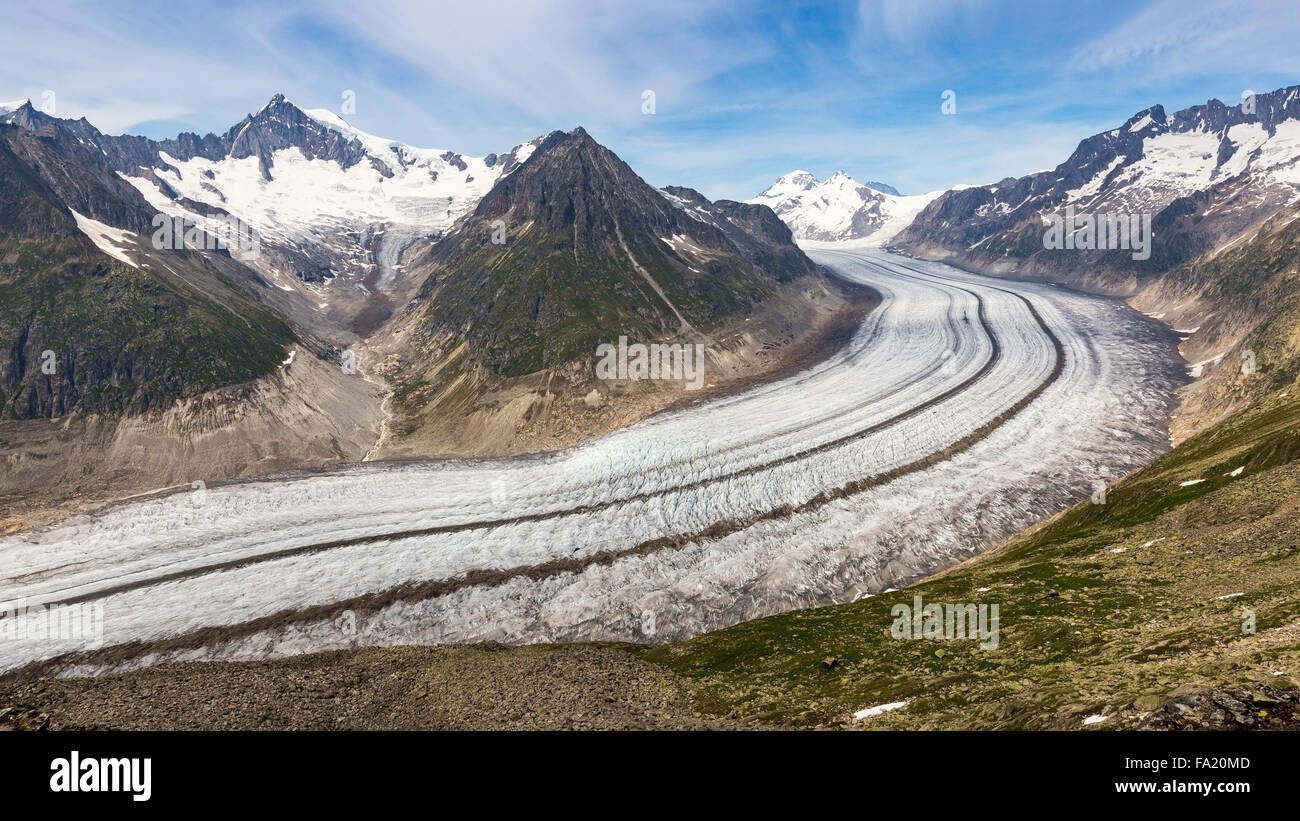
column 125, row 340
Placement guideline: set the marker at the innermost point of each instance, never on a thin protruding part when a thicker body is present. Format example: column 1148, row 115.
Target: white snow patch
column 872, row 712
column 1094, row 185
column 108, row 239
column 1197, row 369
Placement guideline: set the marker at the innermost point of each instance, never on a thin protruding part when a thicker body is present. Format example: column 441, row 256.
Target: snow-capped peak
column 329, row 119
column 795, row 180
column 841, row 208
column 334, row 122
column 275, row 100
column 333, row 206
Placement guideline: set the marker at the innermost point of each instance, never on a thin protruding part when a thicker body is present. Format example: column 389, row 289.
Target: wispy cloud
column 744, row 91
column 1170, row 38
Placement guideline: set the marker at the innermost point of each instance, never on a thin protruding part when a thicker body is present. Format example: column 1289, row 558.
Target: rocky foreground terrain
column 403, row 688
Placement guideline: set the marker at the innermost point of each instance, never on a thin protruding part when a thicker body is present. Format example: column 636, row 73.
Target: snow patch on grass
column 872, row 712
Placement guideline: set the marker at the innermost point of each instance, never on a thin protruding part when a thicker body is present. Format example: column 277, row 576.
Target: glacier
column 724, row 510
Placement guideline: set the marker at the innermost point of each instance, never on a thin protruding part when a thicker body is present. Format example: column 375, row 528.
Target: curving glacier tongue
column 963, row 409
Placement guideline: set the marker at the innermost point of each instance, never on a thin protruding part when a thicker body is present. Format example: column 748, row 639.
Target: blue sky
column 743, row 91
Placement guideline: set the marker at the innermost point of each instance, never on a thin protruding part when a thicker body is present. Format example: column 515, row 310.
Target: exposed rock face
column 129, row 331
column 1241, row 708
column 279, row 124
column 1236, row 310
column 574, row 249
column 758, row 233
column 47, row 173
column 495, row 352
column 1202, row 175
column 307, row 413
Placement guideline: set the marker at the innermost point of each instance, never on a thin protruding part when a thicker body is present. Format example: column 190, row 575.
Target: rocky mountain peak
column 573, row 180
column 882, row 188
column 280, row 124
column 1180, row 169
column 591, row 250
column 797, row 178
column 28, row 116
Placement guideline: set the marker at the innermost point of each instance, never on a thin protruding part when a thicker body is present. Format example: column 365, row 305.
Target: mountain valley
column 386, row 430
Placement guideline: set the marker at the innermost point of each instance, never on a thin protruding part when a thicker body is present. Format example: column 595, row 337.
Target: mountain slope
column 840, row 208
column 586, row 239
column 1203, row 175
column 126, row 368
column 589, row 252
column 1239, row 308
column 333, row 208
column 126, row 334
